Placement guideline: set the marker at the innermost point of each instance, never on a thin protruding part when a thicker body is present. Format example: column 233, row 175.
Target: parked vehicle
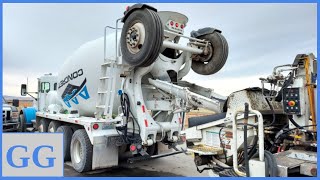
column 10, row 117
column 131, row 101
column 262, row 132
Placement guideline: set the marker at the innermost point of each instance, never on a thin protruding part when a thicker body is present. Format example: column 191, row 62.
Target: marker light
column 95, row 126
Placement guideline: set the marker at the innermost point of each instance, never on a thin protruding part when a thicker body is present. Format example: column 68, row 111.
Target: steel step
column 103, row 78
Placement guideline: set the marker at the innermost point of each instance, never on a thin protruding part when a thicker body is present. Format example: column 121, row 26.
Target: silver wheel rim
column 41, row 128
column 77, row 151
column 51, row 130
column 135, row 37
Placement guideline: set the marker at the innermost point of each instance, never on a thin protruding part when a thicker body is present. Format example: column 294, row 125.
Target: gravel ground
column 176, row 165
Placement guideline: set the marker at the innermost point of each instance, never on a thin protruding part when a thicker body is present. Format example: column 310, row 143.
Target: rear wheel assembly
column 67, row 135
column 81, row 151
column 53, row 126
column 22, row 126
column 44, row 124
column 216, row 57
column 141, row 37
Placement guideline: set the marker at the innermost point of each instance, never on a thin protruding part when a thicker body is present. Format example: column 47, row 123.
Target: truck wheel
column 81, row 151
column 53, row 126
column 75, row 127
column 22, row 124
column 67, row 135
column 216, row 57
column 141, row 37
column 151, row 150
column 44, row 124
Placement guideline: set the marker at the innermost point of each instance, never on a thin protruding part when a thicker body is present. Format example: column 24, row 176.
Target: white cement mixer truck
column 122, row 94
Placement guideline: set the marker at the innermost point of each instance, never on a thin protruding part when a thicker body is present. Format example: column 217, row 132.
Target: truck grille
column 6, row 115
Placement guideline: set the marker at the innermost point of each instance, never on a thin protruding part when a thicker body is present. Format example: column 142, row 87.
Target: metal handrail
column 260, row 137
column 105, row 36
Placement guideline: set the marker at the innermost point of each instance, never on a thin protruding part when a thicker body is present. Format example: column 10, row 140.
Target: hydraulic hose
column 270, row 162
column 245, row 133
column 252, row 150
column 273, row 113
column 274, row 167
column 221, row 164
column 294, row 122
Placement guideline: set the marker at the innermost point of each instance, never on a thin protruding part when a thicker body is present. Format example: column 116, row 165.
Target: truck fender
column 204, row 31
column 135, row 7
column 29, row 114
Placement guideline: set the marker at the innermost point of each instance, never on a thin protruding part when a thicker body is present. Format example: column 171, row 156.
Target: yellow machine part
column 310, row 89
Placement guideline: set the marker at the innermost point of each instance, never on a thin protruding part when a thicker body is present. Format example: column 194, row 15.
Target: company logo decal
column 70, row 77
column 72, row 92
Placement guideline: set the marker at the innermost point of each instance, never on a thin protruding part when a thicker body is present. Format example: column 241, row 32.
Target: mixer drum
column 217, row 55
column 79, row 76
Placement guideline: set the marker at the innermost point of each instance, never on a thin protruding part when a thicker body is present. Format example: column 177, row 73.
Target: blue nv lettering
column 35, row 157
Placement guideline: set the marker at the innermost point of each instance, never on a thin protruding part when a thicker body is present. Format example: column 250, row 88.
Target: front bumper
column 7, row 127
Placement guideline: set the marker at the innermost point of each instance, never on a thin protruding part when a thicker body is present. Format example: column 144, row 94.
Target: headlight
column 15, row 115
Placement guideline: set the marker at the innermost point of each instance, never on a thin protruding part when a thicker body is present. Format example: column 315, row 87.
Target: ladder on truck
column 106, row 90
column 107, row 81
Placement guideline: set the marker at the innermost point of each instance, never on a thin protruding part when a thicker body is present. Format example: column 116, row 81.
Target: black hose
column 253, row 125
column 273, row 113
column 285, row 132
column 285, row 85
column 125, row 105
column 216, row 169
column 301, row 127
column 245, row 149
column 221, row 144
column 182, row 123
column 294, row 122
column 270, row 162
column 268, row 159
column 245, row 143
column 274, row 166
column 223, row 167
column 254, row 147
column 135, row 120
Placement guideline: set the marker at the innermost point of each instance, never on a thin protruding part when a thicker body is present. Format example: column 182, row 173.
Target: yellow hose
column 310, row 89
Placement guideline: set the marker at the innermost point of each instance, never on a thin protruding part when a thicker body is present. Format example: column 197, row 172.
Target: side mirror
column 23, row 89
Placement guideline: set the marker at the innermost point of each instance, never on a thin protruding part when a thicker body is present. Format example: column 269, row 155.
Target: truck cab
column 46, row 84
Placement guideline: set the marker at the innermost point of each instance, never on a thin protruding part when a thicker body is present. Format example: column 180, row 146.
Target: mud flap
column 104, row 154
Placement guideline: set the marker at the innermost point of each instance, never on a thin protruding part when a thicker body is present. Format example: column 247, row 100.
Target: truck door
column 43, row 90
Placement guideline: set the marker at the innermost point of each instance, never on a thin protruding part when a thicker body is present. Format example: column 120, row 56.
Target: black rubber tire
column 67, row 136
column 85, row 164
column 53, row 125
column 22, row 123
column 152, row 150
column 75, row 127
column 218, row 57
column 45, row 124
column 153, row 38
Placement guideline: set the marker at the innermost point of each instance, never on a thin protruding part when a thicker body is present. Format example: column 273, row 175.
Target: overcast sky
column 37, row 38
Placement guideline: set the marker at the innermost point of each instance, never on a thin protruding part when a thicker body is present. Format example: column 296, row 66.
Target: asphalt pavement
column 176, row 165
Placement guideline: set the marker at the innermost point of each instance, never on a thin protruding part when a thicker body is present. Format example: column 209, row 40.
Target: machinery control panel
column 291, row 101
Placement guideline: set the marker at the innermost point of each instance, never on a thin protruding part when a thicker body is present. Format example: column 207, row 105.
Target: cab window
column 45, row 87
column 55, row 86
